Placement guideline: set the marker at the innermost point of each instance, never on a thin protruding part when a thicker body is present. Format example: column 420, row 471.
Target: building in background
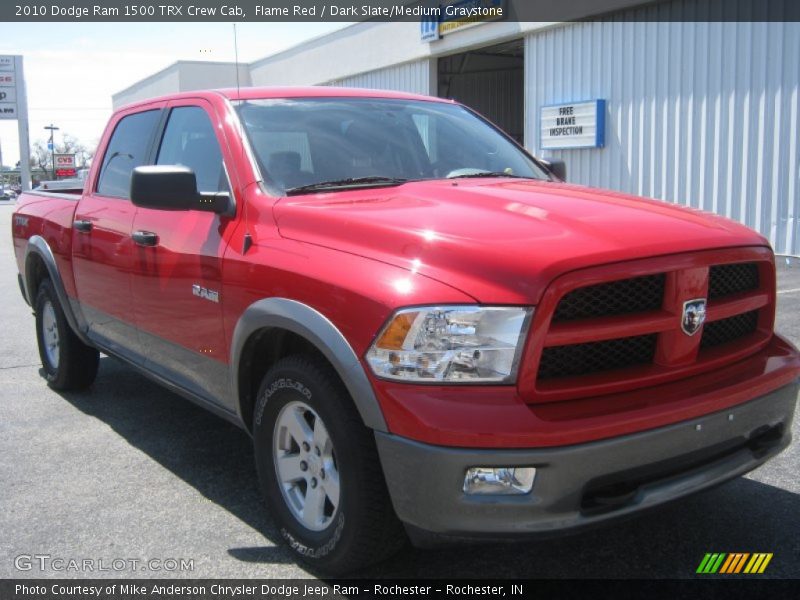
column 646, row 100
column 184, row 76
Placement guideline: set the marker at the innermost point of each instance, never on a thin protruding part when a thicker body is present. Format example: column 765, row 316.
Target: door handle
column 82, row 225
column 145, row 238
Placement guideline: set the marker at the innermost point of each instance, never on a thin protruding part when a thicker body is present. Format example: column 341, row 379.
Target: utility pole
column 22, row 124
column 52, row 128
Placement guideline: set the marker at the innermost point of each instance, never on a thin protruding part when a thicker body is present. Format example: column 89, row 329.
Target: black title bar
column 311, row 589
column 393, row 10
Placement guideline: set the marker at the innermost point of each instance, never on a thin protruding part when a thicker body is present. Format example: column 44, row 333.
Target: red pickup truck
column 426, row 332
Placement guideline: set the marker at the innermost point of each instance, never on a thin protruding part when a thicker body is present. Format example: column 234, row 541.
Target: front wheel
column 68, row 363
column 319, row 469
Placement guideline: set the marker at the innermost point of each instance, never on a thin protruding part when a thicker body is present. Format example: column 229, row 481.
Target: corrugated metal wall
column 702, row 114
column 492, row 84
column 416, row 77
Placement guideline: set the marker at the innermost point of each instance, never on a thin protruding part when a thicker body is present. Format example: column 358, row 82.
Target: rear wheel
column 319, row 469
column 68, row 363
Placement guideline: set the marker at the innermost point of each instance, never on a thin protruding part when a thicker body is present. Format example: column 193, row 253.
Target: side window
column 189, row 140
column 126, row 150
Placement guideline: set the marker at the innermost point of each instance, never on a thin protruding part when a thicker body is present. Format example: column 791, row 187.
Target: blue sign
column 429, row 29
column 49, row 145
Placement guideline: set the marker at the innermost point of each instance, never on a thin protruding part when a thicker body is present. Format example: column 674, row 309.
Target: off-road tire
column 76, row 365
column 364, row 529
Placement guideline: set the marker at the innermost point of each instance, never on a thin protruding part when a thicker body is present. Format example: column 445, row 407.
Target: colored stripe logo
column 734, row 563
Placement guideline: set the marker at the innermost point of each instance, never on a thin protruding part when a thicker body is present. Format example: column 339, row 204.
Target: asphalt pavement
column 128, row 471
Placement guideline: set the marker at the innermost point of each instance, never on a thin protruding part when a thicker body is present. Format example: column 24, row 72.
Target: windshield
column 341, row 142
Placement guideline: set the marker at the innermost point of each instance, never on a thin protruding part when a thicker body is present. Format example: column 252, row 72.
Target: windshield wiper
column 489, row 174
column 372, row 180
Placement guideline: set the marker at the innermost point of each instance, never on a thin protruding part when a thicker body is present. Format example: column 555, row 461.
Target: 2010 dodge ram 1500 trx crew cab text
column 425, row 330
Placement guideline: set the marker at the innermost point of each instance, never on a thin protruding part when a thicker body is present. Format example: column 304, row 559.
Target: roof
column 265, row 93
column 321, row 91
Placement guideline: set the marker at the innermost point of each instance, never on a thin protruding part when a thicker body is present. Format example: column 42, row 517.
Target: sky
column 72, row 69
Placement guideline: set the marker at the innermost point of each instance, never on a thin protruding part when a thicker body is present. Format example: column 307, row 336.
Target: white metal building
column 698, row 113
column 182, row 76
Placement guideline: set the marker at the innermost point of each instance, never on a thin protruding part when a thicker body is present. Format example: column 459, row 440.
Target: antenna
column 248, row 239
column 236, row 57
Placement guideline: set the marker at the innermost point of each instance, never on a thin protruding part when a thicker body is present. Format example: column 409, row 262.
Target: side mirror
column 172, row 187
column 556, row 167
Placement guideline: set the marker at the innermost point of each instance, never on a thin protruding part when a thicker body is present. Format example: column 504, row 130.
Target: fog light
column 499, row 480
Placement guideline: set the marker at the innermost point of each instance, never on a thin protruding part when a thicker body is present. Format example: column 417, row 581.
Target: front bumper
column 585, row 484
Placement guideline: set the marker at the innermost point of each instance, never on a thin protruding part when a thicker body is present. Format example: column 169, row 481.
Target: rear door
column 101, row 233
column 177, row 275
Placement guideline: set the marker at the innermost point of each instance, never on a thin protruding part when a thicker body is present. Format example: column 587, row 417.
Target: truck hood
column 501, row 240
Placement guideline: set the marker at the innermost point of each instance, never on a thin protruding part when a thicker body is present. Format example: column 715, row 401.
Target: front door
column 177, row 270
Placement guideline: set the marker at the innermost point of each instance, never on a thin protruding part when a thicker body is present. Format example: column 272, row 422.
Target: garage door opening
column 491, row 81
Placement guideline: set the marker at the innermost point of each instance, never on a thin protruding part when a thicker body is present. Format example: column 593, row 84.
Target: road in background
column 128, row 470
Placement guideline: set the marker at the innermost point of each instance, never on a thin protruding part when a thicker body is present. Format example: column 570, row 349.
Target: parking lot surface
column 129, row 470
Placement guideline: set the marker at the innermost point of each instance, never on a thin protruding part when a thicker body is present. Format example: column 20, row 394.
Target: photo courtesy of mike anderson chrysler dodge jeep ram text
column 426, row 332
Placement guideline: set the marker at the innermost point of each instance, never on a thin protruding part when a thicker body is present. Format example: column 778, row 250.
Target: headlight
column 451, row 344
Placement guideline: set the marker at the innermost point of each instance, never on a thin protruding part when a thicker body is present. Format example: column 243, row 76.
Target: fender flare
column 38, row 245
column 315, row 327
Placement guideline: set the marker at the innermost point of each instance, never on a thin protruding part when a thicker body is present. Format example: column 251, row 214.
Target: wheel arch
column 40, row 263
column 302, row 328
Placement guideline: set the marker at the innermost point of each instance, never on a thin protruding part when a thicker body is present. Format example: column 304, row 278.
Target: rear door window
column 126, row 150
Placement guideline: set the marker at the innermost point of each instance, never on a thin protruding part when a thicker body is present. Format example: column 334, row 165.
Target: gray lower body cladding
column 582, row 485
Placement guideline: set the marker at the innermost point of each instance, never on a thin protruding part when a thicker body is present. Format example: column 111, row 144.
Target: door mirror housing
column 173, row 187
column 556, row 167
